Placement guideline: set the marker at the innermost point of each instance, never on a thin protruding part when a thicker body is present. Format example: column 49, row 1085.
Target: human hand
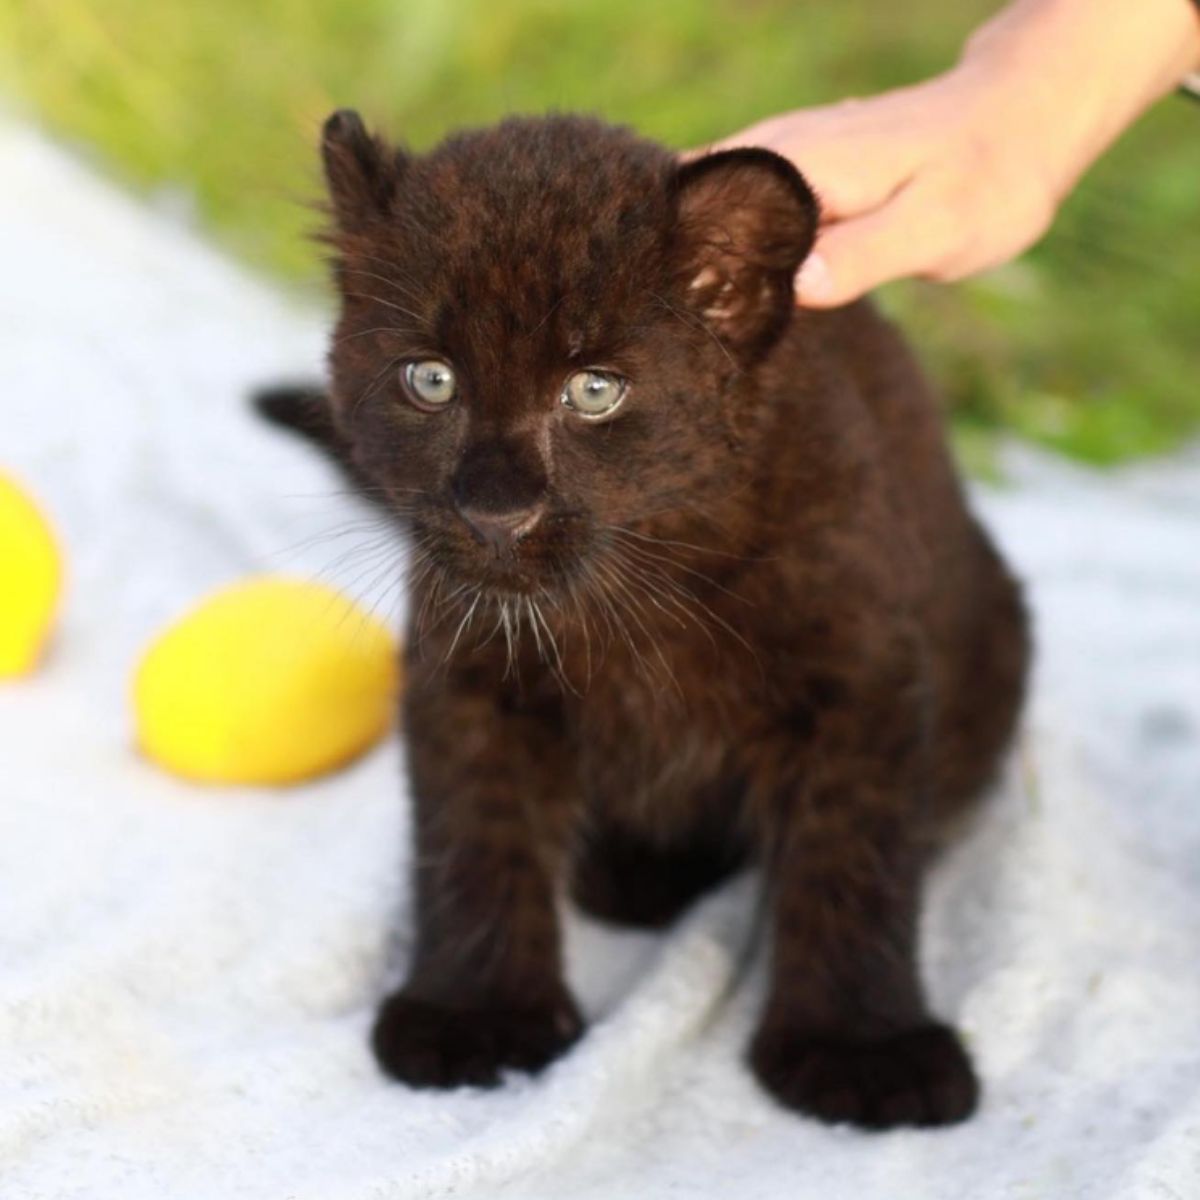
column 967, row 170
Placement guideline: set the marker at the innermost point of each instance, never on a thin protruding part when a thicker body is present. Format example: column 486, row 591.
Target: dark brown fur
column 754, row 621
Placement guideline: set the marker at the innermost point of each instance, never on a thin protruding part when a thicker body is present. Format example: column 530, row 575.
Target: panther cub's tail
column 304, row 409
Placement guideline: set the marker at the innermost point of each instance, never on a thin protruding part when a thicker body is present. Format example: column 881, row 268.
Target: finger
column 687, row 156
column 852, row 178
column 900, row 239
column 856, row 154
column 847, row 182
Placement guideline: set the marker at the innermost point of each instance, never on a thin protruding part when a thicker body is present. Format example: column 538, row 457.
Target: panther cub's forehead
column 534, row 184
column 565, row 212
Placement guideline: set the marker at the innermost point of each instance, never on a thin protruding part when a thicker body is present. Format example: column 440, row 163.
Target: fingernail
column 813, row 280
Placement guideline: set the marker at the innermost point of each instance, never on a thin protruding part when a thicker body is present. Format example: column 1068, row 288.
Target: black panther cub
column 693, row 584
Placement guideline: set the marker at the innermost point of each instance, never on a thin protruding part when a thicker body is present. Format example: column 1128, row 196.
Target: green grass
column 1089, row 344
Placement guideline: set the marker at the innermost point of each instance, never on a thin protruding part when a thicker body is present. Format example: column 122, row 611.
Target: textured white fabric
column 187, row 975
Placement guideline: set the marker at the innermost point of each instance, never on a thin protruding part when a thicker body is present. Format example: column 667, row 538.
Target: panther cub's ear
column 745, row 221
column 361, row 170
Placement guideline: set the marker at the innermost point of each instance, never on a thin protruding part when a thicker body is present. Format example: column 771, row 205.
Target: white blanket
column 187, row 975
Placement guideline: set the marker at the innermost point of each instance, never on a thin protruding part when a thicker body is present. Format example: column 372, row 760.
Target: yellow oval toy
column 270, row 681
column 30, row 580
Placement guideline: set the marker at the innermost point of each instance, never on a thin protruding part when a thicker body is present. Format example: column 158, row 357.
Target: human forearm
column 1083, row 70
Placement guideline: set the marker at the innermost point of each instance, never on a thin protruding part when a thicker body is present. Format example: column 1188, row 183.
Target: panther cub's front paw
column 430, row 1045
column 918, row 1077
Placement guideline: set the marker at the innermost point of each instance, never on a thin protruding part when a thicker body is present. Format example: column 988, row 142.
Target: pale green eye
column 431, row 382
column 594, row 394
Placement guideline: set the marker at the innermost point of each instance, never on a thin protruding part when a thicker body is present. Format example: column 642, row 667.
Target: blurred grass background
column 1091, row 344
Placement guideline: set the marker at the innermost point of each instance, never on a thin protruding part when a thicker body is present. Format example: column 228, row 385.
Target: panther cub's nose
column 500, row 489
column 501, row 530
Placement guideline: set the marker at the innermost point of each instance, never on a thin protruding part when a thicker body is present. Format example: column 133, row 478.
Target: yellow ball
column 30, row 580
column 271, row 681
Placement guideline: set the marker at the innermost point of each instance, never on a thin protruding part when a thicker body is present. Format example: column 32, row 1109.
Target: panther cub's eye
column 594, row 394
column 430, row 383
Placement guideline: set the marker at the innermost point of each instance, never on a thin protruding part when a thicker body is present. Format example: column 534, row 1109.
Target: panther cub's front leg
column 847, row 1035
column 485, row 988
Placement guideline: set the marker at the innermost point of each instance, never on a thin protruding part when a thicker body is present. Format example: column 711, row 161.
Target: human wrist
column 1150, row 45
column 1066, row 77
